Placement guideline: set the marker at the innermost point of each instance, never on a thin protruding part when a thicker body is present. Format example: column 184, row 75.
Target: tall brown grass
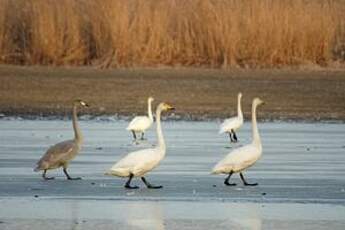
column 212, row 33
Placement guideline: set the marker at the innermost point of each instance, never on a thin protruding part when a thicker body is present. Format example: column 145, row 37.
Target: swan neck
column 149, row 110
column 77, row 133
column 161, row 142
column 256, row 136
column 239, row 109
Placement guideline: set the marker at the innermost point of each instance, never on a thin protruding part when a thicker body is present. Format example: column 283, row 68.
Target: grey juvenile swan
column 62, row 153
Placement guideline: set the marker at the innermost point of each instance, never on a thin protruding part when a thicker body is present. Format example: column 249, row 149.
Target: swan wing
column 139, row 123
column 57, row 154
column 229, row 124
column 137, row 163
column 238, row 160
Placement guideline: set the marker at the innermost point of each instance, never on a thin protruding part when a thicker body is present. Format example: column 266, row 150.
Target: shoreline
column 171, row 118
column 197, row 94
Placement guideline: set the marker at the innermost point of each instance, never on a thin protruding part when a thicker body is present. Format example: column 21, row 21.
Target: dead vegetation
column 222, row 33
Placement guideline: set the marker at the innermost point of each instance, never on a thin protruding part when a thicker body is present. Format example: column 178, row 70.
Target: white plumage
column 238, row 160
column 142, row 123
column 242, row 158
column 231, row 125
column 138, row 163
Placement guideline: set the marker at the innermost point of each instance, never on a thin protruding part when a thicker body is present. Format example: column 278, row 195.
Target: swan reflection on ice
column 144, row 215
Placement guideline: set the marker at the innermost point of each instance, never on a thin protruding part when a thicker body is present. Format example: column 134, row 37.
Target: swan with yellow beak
column 138, row 163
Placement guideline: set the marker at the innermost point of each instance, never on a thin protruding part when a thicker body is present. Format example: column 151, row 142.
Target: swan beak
column 83, row 103
column 170, row 108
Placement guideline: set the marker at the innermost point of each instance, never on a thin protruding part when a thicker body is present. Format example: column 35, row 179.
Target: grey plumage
column 62, row 153
column 58, row 155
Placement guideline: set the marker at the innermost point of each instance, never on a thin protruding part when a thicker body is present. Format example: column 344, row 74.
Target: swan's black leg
column 245, row 182
column 134, row 136
column 142, row 136
column 69, row 177
column 234, row 135
column 148, row 185
column 226, row 182
column 231, row 140
column 45, row 177
column 128, row 183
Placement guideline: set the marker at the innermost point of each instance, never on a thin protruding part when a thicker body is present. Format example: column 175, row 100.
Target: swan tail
column 215, row 170
column 218, row 169
column 129, row 126
column 110, row 173
column 38, row 168
column 119, row 173
column 41, row 165
column 222, row 129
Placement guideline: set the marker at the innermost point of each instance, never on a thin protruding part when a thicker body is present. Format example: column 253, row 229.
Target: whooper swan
column 138, row 163
column 62, row 153
column 141, row 123
column 232, row 124
column 241, row 158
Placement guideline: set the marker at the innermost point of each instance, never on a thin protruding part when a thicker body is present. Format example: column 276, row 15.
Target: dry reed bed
column 212, row 33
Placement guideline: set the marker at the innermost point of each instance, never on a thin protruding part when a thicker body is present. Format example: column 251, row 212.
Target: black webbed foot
column 45, row 177
column 73, row 178
column 150, row 186
column 69, row 177
column 229, row 184
column 246, row 183
column 234, row 136
column 48, row 178
column 128, row 183
column 231, row 139
column 226, row 181
column 131, row 187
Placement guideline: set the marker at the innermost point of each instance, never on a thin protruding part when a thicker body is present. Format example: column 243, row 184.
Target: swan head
column 239, row 95
column 257, row 101
column 150, row 99
column 81, row 102
column 165, row 107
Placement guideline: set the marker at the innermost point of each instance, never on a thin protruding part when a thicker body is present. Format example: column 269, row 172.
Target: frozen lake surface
column 301, row 178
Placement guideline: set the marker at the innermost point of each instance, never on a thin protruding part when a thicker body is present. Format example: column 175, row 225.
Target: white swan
column 234, row 123
column 138, row 163
column 141, row 123
column 241, row 158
